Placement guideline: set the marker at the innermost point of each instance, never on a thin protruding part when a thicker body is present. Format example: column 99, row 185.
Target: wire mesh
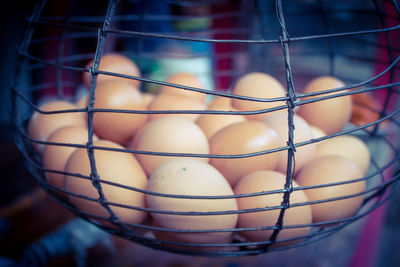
column 293, row 41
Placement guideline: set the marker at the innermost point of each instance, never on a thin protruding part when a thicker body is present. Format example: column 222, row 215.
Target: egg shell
column 331, row 115
column 347, row 146
column 242, row 138
column 55, row 157
column 173, row 135
column 147, row 98
column 118, row 127
column 136, row 137
column 192, row 177
column 163, row 102
column 117, row 63
column 332, row 169
column 263, row 181
column 82, row 102
column 317, row 132
column 219, row 102
column 366, row 109
column 42, row 125
column 258, row 85
column 302, row 132
column 117, row 167
column 185, row 79
column 212, row 123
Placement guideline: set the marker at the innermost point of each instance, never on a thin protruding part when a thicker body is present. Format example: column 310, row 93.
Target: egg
column 117, row 63
column 185, row 79
column 258, row 85
column 118, row 127
column 55, row 157
column 332, row 169
column 112, row 166
column 365, row 109
column 219, row 102
column 212, row 123
column 347, row 146
column 163, row 102
column 242, row 138
column 169, row 134
column 82, row 102
column 41, row 125
column 264, row 181
column 192, row 177
column 331, row 115
column 302, row 132
column 317, row 132
column 136, row 137
column 147, row 98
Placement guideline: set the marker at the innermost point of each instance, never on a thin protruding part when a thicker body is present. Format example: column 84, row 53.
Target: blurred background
column 30, row 219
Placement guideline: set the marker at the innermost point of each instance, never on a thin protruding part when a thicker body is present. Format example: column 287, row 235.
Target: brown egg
column 242, row 138
column 170, row 134
column 42, row 125
column 263, row 181
column 212, row 123
column 186, row 79
column 317, row 132
column 332, row 169
column 82, row 101
column 175, row 102
column 112, row 166
column 365, row 109
column 331, row 115
column 192, row 177
column 258, row 85
column 55, row 157
column 117, row 63
column 347, row 146
column 147, row 98
column 136, row 137
column 117, row 127
column 220, row 102
column 302, row 132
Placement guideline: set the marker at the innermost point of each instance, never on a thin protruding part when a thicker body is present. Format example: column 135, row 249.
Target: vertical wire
column 381, row 13
column 328, row 26
column 23, row 50
column 59, row 60
column 259, row 9
column 397, row 7
column 389, row 47
column 102, row 37
column 20, row 60
column 256, row 30
column 391, row 73
column 285, row 40
column 142, row 26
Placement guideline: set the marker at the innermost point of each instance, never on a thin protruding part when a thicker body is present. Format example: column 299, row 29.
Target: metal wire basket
column 293, row 41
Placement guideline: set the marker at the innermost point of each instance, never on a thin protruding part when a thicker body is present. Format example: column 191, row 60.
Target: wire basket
column 293, row 41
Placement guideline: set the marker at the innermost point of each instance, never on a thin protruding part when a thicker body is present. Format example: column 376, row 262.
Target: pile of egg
column 340, row 159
